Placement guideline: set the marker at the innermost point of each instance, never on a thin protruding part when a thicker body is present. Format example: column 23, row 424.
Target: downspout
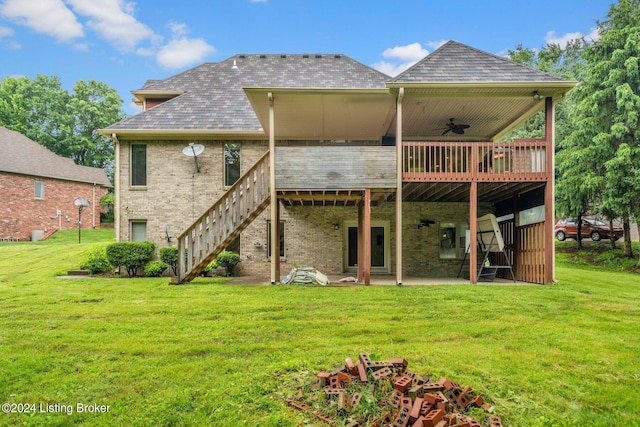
column 399, row 163
column 93, row 207
column 116, row 189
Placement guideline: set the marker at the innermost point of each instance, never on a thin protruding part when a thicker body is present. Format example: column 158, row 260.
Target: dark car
column 591, row 228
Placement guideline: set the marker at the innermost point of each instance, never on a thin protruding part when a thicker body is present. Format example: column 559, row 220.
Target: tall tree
column 63, row 122
column 607, row 115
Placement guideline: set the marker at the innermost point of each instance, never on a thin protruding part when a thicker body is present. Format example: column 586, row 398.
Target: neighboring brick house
column 354, row 170
column 38, row 189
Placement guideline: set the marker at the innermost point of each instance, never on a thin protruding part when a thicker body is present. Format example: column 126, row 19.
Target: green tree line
column 597, row 142
column 64, row 122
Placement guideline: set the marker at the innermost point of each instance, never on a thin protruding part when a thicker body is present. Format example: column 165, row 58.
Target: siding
column 335, row 168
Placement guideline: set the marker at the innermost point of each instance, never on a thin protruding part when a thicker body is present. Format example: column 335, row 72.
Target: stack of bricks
column 414, row 401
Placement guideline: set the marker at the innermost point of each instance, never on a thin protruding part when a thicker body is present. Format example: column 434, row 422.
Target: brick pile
column 414, row 401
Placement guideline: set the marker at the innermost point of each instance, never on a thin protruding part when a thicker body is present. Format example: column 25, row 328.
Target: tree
column 63, row 122
column 607, row 113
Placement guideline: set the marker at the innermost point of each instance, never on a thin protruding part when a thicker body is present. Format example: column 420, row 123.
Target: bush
column 95, row 261
column 169, row 255
column 208, row 270
column 131, row 255
column 155, row 268
column 228, row 260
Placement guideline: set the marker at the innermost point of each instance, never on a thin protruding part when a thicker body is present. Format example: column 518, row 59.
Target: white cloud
column 50, row 17
column 259, row 1
column 182, row 52
column 114, row 21
column 5, row 32
column 553, row 38
column 401, row 58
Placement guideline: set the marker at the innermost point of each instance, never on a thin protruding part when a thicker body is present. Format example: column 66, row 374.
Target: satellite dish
column 193, row 150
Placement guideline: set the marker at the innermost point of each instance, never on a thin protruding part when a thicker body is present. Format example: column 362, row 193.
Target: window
column 39, row 190
column 139, row 164
column 231, row 163
column 281, row 238
column 453, row 240
column 138, row 231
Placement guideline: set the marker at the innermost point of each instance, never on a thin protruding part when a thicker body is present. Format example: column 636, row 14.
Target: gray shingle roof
column 456, row 62
column 20, row 155
column 214, row 98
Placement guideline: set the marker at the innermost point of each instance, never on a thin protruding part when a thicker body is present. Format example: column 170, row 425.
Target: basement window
column 453, row 240
column 138, row 231
column 39, row 190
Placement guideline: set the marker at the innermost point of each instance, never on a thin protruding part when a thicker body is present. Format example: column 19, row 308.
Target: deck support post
column 473, row 232
column 399, row 164
column 360, row 242
column 275, row 220
column 367, row 236
column 549, row 203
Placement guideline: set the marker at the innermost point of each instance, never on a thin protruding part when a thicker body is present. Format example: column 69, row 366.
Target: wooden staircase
column 214, row 230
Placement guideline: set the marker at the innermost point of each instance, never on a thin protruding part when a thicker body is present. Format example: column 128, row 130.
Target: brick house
column 355, row 171
column 38, row 189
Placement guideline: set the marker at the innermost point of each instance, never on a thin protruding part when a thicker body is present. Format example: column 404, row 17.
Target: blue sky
column 125, row 43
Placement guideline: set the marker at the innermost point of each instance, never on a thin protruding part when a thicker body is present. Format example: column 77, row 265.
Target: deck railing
column 520, row 160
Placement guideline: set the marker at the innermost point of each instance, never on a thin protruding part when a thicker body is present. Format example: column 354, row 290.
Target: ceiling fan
column 453, row 127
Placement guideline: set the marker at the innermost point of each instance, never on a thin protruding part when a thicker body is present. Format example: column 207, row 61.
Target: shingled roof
column 459, row 63
column 20, row 155
column 214, row 99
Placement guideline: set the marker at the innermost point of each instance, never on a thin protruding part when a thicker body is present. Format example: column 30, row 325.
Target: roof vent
column 242, row 56
column 318, row 56
column 263, row 56
column 337, row 56
column 283, row 56
column 305, row 56
column 235, row 66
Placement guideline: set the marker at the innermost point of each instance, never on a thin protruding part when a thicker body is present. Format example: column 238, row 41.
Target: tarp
column 305, row 276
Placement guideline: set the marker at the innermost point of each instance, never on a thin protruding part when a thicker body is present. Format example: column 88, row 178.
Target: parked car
column 591, row 228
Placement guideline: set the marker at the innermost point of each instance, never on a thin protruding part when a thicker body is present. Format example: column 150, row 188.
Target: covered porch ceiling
column 488, row 192
column 490, row 109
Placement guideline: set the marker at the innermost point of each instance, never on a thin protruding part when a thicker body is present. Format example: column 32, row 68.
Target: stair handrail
column 223, row 199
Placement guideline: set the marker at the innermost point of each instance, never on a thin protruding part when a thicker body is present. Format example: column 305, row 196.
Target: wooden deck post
column 275, row 235
column 549, row 202
column 367, row 236
column 360, row 242
column 399, row 166
column 473, row 235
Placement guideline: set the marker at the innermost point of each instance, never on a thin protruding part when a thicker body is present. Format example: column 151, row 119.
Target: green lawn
column 212, row 354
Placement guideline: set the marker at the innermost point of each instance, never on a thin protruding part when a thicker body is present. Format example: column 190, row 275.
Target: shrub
column 155, row 268
column 169, row 255
column 208, row 270
column 228, row 260
column 95, row 261
column 131, row 255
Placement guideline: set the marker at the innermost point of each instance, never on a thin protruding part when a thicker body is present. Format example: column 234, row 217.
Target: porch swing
column 489, row 240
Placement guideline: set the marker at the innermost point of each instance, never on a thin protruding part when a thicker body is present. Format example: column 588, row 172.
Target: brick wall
column 175, row 195
column 21, row 213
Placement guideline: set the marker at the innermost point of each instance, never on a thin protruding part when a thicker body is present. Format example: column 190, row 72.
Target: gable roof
column 457, row 62
column 212, row 96
column 21, row 155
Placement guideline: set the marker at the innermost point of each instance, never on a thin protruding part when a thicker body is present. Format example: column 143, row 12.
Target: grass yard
column 211, row 354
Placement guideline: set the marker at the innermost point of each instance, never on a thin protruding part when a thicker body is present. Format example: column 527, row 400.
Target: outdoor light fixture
column 537, row 96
